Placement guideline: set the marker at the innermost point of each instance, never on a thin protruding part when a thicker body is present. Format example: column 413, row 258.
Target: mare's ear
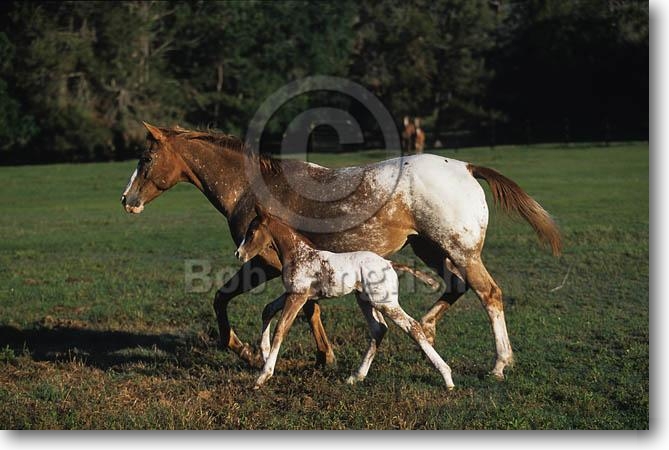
column 155, row 132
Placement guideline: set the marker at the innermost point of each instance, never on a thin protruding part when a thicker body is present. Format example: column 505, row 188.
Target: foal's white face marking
column 238, row 254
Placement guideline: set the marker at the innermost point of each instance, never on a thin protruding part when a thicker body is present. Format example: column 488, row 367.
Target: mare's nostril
column 123, row 200
column 236, row 253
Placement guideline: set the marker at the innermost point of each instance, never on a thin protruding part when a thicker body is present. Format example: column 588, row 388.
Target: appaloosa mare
column 312, row 274
column 434, row 204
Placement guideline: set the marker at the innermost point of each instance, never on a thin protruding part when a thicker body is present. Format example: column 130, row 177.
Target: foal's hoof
column 499, row 376
column 261, row 380
column 353, row 379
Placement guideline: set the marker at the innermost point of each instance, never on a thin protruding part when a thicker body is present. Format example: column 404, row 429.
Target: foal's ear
column 155, row 132
column 260, row 211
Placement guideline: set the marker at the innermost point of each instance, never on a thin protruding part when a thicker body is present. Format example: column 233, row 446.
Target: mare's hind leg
column 325, row 354
column 491, row 298
column 436, row 259
column 377, row 330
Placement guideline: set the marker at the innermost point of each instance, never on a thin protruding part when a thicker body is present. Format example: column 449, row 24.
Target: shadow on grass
column 107, row 349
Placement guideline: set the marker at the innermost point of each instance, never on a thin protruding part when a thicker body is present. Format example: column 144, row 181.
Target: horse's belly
column 385, row 233
column 339, row 275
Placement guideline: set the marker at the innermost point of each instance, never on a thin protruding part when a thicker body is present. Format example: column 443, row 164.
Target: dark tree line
column 76, row 78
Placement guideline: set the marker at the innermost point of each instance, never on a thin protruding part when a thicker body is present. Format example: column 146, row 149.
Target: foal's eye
column 145, row 159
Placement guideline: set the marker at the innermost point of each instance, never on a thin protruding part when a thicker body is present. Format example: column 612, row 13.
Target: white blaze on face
column 238, row 253
column 132, row 178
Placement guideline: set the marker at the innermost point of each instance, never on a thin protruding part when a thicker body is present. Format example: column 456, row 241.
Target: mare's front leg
column 291, row 307
column 253, row 273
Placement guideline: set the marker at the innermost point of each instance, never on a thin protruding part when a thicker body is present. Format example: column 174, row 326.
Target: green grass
column 97, row 331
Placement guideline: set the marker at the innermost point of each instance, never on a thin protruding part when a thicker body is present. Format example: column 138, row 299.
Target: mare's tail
column 513, row 199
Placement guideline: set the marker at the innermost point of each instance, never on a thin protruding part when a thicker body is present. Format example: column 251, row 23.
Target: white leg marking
column 377, row 329
column 265, row 341
column 502, row 344
column 268, row 314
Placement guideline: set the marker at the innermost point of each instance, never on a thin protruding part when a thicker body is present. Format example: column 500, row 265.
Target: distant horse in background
column 413, row 136
column 434, row 204
column 419, row 143
column 408, row 136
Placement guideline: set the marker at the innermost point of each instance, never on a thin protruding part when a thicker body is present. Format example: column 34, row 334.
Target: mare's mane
column 267, row 163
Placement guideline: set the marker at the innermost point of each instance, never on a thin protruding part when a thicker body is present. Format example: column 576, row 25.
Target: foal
column 310, row 274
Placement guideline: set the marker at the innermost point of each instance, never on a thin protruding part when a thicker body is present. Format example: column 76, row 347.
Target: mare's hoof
column 325, row 359
column 252, row 358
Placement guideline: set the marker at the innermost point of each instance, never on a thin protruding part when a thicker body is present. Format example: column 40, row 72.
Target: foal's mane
column 267, row 163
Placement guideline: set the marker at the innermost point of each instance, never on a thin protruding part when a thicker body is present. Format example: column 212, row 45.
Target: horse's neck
column 218, row 173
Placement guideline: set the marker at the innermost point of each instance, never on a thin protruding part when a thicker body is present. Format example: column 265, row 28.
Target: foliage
column 583, row 67
column 77, row 78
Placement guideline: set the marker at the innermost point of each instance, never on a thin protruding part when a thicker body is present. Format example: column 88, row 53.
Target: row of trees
column 76, row 78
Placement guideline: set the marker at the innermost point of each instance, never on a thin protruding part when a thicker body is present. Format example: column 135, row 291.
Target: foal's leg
column 413, row 328
column 491, row 299
column 292, row 306
column 268, row 314
column 325, row 355
column 377, row 330
column 243, row 281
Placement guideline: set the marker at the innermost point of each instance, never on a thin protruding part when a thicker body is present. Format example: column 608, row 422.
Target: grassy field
column 98, row 331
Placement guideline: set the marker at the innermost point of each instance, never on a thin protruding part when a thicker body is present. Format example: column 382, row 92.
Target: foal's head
column 159, row 168
column 257, row 238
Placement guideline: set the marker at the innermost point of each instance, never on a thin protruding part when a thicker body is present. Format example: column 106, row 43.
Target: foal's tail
column 512, row 198
column 422, row 276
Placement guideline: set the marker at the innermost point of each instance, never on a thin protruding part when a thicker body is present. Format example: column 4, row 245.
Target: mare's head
column 159, row 168
column 257, row 238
